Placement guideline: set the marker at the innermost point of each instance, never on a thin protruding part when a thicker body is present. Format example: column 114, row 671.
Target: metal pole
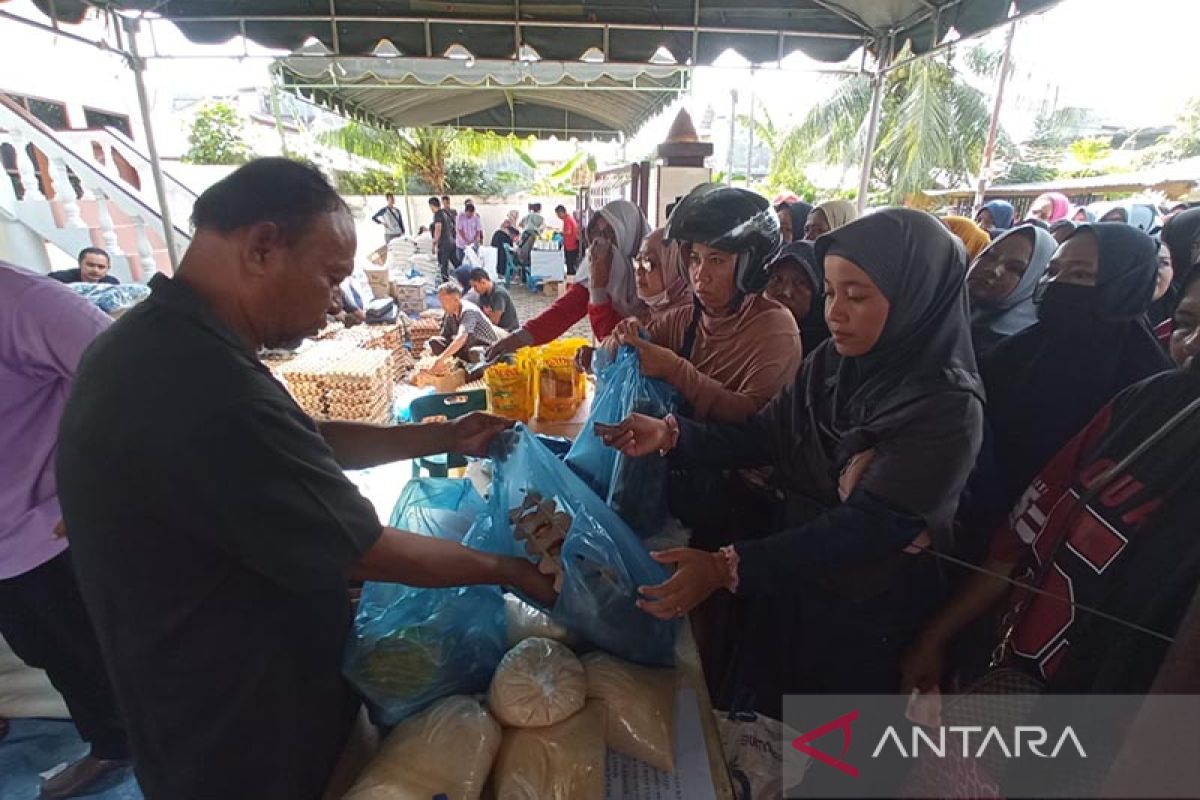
column 732, row 133
column 750, row 147
column 878, row 80
column 989, row 148
column 138, row 65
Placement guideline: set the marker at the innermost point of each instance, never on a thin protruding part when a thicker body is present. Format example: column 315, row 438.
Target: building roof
column 542, row 67
column 523, row 98
column 695, row 32
column 1176, row 179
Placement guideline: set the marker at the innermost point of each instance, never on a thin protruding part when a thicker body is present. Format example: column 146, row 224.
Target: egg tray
column 337, row 380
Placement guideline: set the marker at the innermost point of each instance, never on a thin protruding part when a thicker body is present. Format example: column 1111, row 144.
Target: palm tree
column 787, row 174
column 933, row 126
column 423, row 152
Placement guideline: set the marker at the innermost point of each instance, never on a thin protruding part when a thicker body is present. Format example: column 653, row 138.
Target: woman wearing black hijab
column 796, row 280
column 871, row 447
column 792, row 218
column 1090, row 342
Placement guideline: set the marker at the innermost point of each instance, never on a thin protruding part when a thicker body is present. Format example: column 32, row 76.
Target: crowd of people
column 963, row 381
column 885, row 421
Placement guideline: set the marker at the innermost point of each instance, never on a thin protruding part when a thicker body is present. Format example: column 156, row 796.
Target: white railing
column 75, row 180
column 120, row 157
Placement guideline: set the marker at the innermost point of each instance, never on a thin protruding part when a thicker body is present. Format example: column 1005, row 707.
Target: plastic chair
column 511, row 266
column 431, row 407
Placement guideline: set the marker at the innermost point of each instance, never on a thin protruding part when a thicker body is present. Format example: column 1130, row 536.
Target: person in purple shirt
column 42, row 615
column 469, row 231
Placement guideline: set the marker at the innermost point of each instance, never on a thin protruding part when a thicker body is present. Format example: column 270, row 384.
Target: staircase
column 77, row 189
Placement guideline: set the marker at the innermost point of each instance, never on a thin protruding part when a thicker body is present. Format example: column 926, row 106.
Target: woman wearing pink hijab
column 1050, row 207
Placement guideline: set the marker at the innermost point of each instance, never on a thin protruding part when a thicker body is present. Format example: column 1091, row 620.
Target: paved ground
column 530, row 304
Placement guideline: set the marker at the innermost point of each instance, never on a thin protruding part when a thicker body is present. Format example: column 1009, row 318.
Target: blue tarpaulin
column 34, row 746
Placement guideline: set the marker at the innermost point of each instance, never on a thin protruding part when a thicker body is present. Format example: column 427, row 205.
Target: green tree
column 786, row 174
column 1088, row 155
column 217, row 136
column 932, row 130
column 424, row 153
column 1026, row 172
column 1184, row 139
column 464, row 176
column 371, row 181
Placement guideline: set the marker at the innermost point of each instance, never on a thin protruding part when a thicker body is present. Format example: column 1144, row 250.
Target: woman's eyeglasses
column 642, row 264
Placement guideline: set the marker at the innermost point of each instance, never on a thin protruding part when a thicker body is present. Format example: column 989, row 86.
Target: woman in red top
column 605, row 288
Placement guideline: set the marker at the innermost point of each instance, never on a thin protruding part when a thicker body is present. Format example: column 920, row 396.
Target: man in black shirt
column 94, row 264
column 445, row 238
column 494, row 300
column 212, row 528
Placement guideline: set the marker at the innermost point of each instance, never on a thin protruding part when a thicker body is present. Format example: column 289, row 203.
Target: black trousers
column 447, row 255
column 43, row 618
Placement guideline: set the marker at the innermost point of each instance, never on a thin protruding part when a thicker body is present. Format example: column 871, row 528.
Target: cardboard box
column 379, row 282
column 442, row 384
column 553, row 288
column 410, row 298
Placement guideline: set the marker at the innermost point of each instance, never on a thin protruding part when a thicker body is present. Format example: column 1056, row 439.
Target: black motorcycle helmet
column 734, row 220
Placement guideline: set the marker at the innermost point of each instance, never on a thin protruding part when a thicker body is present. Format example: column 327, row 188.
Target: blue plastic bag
column 410, row 647
column 112, row 299
column 636, row 488
column 603, row 561
column 441, row 507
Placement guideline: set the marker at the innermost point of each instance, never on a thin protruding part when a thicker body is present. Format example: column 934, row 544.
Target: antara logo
column 1024, row 739
column 842, row 723
column 1032, row 737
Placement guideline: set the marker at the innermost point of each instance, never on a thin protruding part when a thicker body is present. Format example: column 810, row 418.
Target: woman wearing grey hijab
column 1001, row 284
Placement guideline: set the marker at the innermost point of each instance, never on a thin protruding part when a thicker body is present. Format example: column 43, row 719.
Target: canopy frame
column 862, row 32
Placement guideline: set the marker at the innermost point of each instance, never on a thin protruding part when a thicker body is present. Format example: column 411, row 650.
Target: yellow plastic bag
column 446, row 751
column 564, row 761
column 640, row 702
column 561, row 389
column 510, row 387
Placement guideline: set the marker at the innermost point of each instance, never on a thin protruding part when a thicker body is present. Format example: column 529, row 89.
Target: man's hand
column 60, row 529
column 473, row 434
column 697, row 575
column 638, row 435
column 601, row 263
column 510, row 344
column 524, row 577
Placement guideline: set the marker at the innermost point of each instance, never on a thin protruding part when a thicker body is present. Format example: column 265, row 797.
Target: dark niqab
column 813, row 329
column 1045, row 383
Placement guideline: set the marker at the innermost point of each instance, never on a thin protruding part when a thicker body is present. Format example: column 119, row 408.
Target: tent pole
column 138, row 65
column 989, row 148
column 733, row 98
column 878, row 80
column 750, row 147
